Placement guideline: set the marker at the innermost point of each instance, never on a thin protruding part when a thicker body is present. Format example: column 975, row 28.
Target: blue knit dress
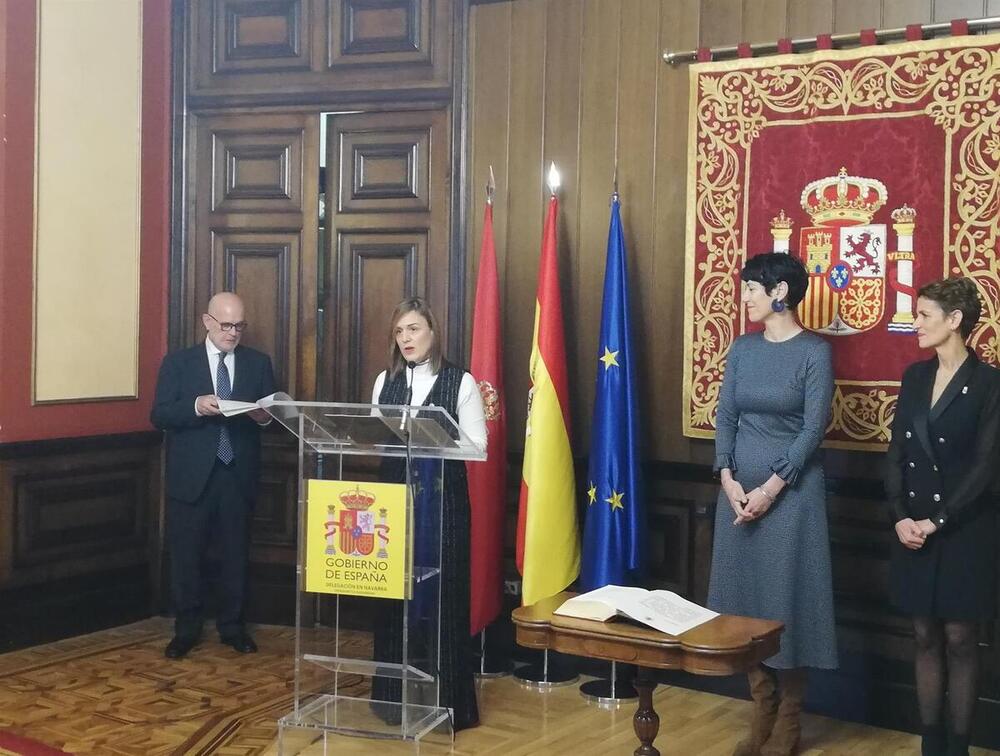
column 772, row 415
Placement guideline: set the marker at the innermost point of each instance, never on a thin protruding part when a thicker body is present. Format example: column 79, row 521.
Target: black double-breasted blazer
column 942, row 465
column 192, row 441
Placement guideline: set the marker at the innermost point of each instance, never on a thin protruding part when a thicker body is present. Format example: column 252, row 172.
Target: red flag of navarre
column 487, row 480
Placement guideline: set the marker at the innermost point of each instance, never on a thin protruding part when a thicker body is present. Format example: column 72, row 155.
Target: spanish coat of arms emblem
column 852, row 273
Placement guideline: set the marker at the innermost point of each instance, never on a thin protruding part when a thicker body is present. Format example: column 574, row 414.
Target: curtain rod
column 809, row 43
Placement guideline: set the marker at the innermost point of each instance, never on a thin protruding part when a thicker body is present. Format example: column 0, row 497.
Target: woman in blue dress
column 771, row 554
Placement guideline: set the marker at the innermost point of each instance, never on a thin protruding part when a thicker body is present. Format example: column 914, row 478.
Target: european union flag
column 613, row 538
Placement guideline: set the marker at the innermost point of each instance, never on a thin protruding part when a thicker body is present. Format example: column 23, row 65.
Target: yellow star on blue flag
column 610, row 358
column 615, row 500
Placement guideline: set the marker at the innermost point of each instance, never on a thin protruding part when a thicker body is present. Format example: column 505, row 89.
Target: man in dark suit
column 212, row 467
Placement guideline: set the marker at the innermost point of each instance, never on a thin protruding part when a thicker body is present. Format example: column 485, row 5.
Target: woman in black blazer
column 940, row 484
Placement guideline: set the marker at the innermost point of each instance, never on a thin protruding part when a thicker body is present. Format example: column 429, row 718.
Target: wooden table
column 726, row 645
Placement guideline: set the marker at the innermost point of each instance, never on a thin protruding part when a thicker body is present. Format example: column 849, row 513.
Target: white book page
column 231, row 407
column 600, row 604
column 666, row 611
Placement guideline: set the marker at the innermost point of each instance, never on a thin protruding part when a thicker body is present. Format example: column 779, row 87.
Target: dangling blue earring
column 777, row 305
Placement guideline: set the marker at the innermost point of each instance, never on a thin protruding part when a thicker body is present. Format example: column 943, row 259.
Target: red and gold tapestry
column 880, row 168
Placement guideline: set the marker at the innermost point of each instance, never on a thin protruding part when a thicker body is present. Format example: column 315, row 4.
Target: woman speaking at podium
column 417, row 371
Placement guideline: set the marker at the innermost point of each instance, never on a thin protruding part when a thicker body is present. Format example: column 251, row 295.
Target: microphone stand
column 404, row 426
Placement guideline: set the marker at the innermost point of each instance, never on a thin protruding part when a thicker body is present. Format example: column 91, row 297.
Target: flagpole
column 545, row 677
column 610, row 692
column 489, row 667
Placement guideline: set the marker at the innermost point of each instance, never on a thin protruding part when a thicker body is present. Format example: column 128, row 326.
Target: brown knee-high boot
column 764, row 692
column 784, row 739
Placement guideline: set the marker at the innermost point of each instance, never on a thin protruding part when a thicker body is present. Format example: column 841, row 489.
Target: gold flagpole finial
column 553, row 179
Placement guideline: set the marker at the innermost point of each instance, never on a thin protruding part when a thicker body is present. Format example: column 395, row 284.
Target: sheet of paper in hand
column 231, row 407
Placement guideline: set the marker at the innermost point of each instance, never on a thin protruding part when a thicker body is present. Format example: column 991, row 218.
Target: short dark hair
column 396, row 360
column 956, row 294
column 769, row 268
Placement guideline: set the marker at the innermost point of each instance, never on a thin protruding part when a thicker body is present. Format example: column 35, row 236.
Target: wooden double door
column 322, row 222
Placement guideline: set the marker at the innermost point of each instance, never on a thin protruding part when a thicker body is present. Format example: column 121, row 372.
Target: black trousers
column 212, row 532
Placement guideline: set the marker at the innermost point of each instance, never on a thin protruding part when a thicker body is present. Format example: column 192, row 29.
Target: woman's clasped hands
column 913, row 534
column 748, row 506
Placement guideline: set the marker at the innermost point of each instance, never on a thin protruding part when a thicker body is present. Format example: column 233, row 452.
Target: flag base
column 491, row 665
column 608, row 693
column 489, row 669
column 537, row 677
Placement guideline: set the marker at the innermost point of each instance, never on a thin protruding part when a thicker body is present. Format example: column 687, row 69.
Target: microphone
column 410, row 365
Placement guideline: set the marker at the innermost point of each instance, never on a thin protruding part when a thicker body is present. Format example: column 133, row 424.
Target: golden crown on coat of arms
column 357, row 499
column 843, row 197
column 781, row 221
column 904, row 214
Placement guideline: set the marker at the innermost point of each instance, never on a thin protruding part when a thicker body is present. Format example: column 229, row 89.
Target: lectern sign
column 355, row 538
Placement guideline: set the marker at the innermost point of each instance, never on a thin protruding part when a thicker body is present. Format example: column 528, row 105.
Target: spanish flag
column 548, row 540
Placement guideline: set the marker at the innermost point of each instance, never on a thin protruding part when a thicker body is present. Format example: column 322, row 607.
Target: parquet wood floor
column 114, row 693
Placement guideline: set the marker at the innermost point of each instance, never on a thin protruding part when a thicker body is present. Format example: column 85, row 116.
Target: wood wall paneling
column 385, row 171
column 526, row 198
column 807, row 18
column 488, row 120
column 897, row 13
column 946, row 10
column 274, row 517
column 638, row 154
column 256, row 37
column 601, row 72
column 295, row 51
column 388, row 224
column 564, row 85
column 257, row 171
column 664, row 315
column 765, row 20
column 259, row 266
column 77, row 509
column 853, row 15
column 721, row 23
column 377, row 270
column 370, row 32
column 255, row 232
column 80, row 513
column 669, row 523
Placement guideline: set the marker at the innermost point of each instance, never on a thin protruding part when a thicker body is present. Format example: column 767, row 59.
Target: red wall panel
column 19, row 419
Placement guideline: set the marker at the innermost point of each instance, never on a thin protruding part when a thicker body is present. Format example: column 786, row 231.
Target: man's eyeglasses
column 238, row 327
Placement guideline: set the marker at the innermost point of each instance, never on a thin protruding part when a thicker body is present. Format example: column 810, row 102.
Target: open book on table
column 663, row 610
column 231, row 407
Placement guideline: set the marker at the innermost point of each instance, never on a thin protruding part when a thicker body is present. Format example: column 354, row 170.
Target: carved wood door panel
column 386, row 237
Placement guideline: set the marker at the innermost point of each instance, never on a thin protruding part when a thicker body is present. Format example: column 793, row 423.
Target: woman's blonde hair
column 396, row 360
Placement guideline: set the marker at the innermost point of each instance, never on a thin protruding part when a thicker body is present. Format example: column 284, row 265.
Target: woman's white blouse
column 471, row 417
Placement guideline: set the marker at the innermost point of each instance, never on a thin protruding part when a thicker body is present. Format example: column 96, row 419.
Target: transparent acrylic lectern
column 368, row 666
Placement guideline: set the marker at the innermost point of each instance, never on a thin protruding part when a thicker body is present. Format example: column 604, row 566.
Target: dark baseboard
column 71, row 607
column 23, row 449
